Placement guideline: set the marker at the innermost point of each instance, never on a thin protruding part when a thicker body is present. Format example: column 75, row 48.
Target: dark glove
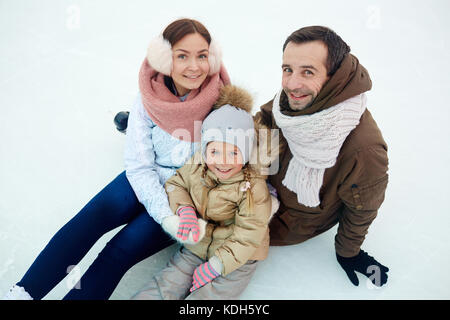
column 121, row 121
column 366, row 265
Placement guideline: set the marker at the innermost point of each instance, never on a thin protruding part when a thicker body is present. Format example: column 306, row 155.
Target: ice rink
column 67, row 67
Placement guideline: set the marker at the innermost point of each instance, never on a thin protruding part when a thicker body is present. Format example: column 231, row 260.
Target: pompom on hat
column 159, row 56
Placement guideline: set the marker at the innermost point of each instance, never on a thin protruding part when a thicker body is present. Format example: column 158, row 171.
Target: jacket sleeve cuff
column 158, row 208
column 216, row 264
column 183, row 206
column 170, row 225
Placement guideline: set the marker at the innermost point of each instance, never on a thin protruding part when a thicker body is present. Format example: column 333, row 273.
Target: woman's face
column 190, row 63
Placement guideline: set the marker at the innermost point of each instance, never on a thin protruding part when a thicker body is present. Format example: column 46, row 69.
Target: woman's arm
column 140, row 163
column 185, row 226
column 177, row 188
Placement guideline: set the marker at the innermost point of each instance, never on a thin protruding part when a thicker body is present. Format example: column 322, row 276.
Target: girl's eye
column 203, row 56
column 181, row 56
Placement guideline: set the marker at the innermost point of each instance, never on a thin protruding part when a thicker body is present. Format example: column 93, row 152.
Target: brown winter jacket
column 353, row 189
column 234, row 233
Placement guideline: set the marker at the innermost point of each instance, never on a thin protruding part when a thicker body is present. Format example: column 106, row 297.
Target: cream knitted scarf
column 315, row 141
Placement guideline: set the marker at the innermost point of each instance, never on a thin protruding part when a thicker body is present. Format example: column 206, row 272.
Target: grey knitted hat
column 230, row 122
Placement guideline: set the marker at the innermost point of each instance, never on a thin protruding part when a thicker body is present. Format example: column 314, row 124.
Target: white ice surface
column 67, row 67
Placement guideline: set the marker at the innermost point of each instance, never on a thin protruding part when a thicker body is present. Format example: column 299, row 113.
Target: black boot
column 121, row 121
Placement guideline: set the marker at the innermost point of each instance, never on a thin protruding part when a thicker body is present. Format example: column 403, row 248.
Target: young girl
column 179, row 82
column 232, row 199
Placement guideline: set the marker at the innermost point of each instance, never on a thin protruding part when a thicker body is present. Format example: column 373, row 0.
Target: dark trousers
column 114, row 206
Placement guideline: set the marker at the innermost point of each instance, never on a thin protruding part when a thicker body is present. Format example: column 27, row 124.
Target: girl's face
column 224, row 159
column 190, row 63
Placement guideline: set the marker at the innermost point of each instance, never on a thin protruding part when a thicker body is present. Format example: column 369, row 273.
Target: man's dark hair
column 337, row 48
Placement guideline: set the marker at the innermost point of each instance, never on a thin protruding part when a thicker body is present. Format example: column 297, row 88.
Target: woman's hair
column 175, row 31
column 337, row 48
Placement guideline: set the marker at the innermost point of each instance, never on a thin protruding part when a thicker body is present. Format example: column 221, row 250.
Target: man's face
column 304, row 72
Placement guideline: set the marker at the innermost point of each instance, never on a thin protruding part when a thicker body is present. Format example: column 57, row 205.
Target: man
column 333, row 169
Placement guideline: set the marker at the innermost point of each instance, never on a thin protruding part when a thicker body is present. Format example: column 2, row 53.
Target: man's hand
column 366, row 265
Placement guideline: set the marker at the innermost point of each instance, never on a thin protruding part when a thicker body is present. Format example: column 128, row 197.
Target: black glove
column 366, row 265
column 121, row 121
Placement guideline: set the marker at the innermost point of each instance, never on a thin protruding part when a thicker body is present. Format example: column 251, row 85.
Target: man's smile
column 297, row 97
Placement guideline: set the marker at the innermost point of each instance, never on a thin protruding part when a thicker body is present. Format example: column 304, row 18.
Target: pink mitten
column 203, row 274
column 188, row 222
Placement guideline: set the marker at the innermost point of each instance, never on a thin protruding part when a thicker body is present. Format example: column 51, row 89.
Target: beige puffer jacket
column 236, row 230
column 237, row 220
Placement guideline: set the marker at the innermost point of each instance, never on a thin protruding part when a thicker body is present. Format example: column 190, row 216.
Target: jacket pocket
column 369, row 196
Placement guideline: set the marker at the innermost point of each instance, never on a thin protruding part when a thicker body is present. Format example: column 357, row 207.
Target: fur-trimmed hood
column 234, row 96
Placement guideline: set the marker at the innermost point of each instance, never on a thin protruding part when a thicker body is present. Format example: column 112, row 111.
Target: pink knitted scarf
column 180, row 119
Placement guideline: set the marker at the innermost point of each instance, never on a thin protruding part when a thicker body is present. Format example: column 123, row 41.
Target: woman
column 179, row 81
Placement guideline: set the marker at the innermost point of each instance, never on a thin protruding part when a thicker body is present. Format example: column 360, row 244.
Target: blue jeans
column 114, row 206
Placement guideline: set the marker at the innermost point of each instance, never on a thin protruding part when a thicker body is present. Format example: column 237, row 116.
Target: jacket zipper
column 206, row 216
